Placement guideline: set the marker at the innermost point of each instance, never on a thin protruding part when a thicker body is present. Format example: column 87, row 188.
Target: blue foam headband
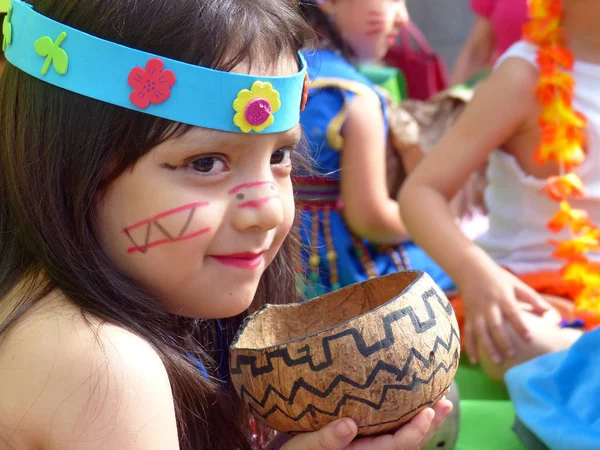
column 148, row 83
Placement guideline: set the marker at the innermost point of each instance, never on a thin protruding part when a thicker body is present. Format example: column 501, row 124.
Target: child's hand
column 491, row 295
column 339, row 435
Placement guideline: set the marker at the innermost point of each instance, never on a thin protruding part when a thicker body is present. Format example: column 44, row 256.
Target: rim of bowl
column 238, row 335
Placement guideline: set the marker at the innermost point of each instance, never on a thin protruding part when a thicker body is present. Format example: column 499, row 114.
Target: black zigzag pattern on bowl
column 397, row 419
column 313, row 410
column 422, row 405
column 381, row 366
column 364, row 349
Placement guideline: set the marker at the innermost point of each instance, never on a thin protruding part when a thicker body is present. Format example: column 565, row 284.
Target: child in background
column 508, row 277
column 350, row 226
column 140, row 219
column 498, row 25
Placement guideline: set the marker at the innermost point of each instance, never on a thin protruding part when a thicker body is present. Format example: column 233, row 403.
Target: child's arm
column 500, row 107
column 368, row 209
column 476, row 53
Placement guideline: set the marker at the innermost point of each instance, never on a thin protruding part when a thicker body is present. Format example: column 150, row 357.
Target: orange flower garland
column 563, row 142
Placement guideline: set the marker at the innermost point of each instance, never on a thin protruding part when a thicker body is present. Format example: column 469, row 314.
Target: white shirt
column 519, row 209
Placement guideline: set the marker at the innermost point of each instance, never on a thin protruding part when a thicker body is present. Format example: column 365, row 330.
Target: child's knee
column 546, row 337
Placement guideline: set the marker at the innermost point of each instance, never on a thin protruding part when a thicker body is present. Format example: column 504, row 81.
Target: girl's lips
column 244, row 260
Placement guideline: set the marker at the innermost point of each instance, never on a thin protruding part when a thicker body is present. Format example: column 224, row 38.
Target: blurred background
column 445, row 23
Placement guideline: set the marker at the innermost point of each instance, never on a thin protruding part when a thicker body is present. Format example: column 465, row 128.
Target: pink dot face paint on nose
column 258, row 203
column 253, row 203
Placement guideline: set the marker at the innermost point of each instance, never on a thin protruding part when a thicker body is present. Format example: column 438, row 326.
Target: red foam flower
column 152, row 85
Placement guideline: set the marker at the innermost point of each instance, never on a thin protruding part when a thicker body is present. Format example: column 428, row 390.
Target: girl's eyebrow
column 294, row 135
column 211, row 139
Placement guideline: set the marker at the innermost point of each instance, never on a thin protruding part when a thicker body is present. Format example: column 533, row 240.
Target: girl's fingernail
column 430, row 415
column 343, row 429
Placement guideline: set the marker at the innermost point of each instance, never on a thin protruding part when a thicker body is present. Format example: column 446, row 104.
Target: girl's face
column 201, row 216
column 369, row 27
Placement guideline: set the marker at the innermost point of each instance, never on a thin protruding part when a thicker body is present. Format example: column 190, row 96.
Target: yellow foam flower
column 255, row 107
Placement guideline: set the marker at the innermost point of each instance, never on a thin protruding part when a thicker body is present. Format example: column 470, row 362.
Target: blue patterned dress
column 332, row 256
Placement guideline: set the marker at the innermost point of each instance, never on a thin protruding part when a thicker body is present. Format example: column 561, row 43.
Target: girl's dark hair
column 58, row 150
column 326, row 29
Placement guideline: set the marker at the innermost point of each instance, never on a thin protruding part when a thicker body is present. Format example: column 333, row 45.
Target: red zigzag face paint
column 166, row 236
column 153, row 232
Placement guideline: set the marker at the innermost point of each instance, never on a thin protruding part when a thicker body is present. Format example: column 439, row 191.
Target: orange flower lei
column 563, row 141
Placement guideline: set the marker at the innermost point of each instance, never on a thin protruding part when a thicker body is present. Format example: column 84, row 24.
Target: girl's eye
column 281, row 157
column 209, row 165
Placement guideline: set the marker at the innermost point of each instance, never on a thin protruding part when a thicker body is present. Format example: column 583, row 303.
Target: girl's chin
column 372, row 55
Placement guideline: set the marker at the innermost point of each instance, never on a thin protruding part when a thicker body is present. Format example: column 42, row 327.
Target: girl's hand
column 491, row 295
column 339, row 435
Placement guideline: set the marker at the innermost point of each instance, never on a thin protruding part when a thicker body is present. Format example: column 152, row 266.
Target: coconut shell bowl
column 377, row 352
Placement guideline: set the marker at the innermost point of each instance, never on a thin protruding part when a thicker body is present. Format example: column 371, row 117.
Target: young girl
column 513, row 262
column 350, row 226
column 146, row 203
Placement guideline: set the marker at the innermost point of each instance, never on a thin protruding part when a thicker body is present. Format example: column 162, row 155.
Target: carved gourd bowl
column 378, row 352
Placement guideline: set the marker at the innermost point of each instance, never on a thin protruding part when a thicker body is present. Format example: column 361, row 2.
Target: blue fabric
column 199, row 365
column 222, row 355
column 529, row 440
column 556, row 396
column 323, row 105
column 222, row 352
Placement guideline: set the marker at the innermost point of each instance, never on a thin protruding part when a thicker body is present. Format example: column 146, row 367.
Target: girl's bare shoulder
column 71, row 381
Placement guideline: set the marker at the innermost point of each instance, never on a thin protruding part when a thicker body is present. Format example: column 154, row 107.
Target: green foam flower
column 55, row 55
column 7, row 29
